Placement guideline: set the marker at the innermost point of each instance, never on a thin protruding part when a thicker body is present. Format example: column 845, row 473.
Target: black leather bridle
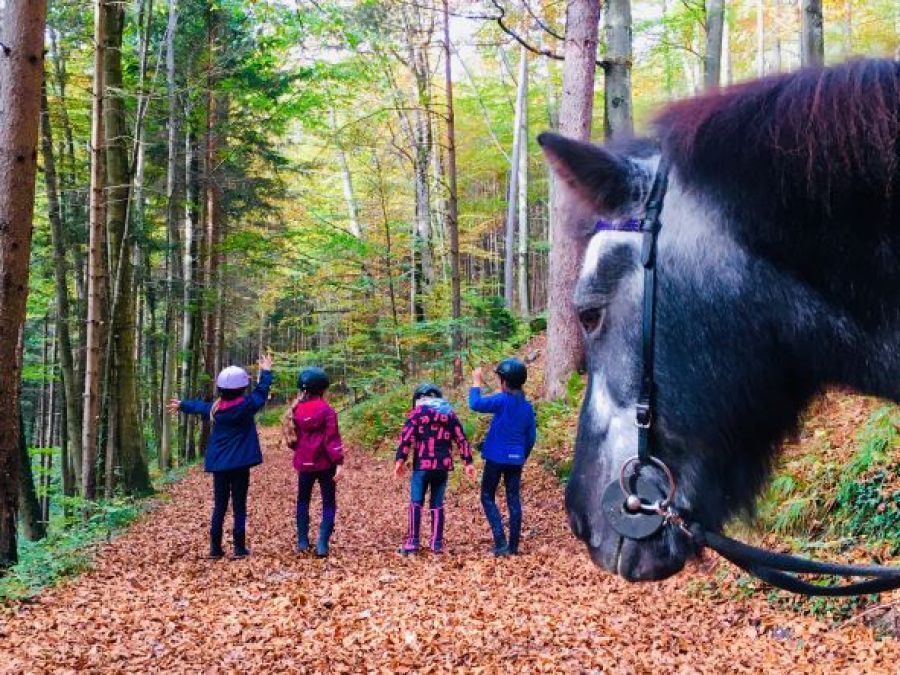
column 636, row 508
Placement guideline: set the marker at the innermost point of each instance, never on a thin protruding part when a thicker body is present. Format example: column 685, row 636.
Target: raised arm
column 260, row 394
column 484, row 404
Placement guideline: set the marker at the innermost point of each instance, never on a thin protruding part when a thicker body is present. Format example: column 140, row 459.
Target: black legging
column 305, row 483
column 490, row 481
column 234, row 483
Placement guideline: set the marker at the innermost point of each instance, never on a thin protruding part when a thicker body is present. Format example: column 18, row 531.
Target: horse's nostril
column 576, row 522
column 590, row 318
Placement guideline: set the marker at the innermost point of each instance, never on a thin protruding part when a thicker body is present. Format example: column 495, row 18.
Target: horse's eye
column 590, row 318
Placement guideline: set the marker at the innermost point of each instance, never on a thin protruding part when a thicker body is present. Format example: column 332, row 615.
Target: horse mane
column 817, row 143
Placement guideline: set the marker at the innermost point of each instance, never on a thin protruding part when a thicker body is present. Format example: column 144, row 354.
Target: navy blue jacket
column 233, row 443
column 513, row 430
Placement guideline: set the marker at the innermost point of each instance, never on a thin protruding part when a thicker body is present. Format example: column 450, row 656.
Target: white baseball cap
column 233, row 378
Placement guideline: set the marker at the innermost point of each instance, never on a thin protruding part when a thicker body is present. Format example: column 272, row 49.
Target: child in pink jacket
column 311, row 431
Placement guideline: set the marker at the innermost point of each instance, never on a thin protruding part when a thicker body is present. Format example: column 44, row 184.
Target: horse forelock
column 820, row 136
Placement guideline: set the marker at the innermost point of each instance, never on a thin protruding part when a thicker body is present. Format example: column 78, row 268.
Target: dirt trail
column 152, row 604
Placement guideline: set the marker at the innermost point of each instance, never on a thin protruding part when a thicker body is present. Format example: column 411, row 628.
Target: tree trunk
column 125, row 430
column 712, row 63
column 52, row 436
column 847, row 28
column 760, row 38
column 346, row 180
column 71, row 392
column 96, row 268
column 33, row 527
column 553, row 122
column 522, row 131
column 191, row 330
column 212, row 199
column 452, row 208
column 812, row 34
column 617, row 92
column 172, row 248
column 21, row 67
column 727, row 68
column 564, row 345
column 72, row 206
column 512, row 193
column 418, row 38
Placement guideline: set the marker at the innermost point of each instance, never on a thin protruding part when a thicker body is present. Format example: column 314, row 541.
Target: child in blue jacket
column 506, row 447
column 233, row 447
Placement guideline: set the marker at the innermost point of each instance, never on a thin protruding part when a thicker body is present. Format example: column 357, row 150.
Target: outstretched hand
column 174, row 406
column 265, row 362
column 470, row 472
column 478, row 377
column 399, row 467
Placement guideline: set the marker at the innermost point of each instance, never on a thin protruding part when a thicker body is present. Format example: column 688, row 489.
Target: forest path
column 153, row 604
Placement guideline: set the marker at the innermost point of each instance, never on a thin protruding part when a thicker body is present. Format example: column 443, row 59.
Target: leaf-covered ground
column 153, row 604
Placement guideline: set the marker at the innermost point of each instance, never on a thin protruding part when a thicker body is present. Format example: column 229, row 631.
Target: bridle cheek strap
column 632, row 505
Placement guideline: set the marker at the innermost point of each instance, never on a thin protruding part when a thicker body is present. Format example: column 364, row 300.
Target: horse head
column 778, row 274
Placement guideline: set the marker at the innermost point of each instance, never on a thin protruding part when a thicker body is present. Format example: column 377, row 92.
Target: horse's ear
column 599, row 178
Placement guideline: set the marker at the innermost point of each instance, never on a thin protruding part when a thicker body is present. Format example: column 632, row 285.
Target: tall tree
column 564, row 346
column 125, row 447
column 812, row 33
column 452, row 207
column 172, row 238
column 71, row 390
column 712, row 61
column 418, row 31
column 96, row 270
column 21, row 70
column 522, row 131
column 512, row 193
column 617, row 92
column 213, row 198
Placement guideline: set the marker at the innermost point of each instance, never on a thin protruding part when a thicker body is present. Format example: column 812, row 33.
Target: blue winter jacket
column 513, row 431
column 233, row 443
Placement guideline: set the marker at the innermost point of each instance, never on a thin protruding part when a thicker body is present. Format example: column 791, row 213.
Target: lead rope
column 775, row 568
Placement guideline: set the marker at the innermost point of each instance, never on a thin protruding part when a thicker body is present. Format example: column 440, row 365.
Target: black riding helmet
column 426, row 389
column 313, row 380
column 513, row 372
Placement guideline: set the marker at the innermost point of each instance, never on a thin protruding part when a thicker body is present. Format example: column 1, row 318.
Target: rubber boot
column 215, row 546
column 437, row 530
column 515, row 533
column 501, row 547
column 240, row 544
column 303, row 530
column 325, row 530
column 411, row 543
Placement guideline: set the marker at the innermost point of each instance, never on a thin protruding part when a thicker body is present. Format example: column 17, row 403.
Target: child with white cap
column 233, row 447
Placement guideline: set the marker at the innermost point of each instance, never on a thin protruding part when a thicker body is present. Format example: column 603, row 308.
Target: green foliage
column 381, row 417
column 867, row 509
column 500, row 324
column 868, row 499
column 66, row 551
column 271, row 415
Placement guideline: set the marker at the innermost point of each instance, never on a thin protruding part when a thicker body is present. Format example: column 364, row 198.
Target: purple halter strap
column 630, row 225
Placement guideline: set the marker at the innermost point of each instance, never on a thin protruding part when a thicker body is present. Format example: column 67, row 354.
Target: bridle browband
column 633, row 503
